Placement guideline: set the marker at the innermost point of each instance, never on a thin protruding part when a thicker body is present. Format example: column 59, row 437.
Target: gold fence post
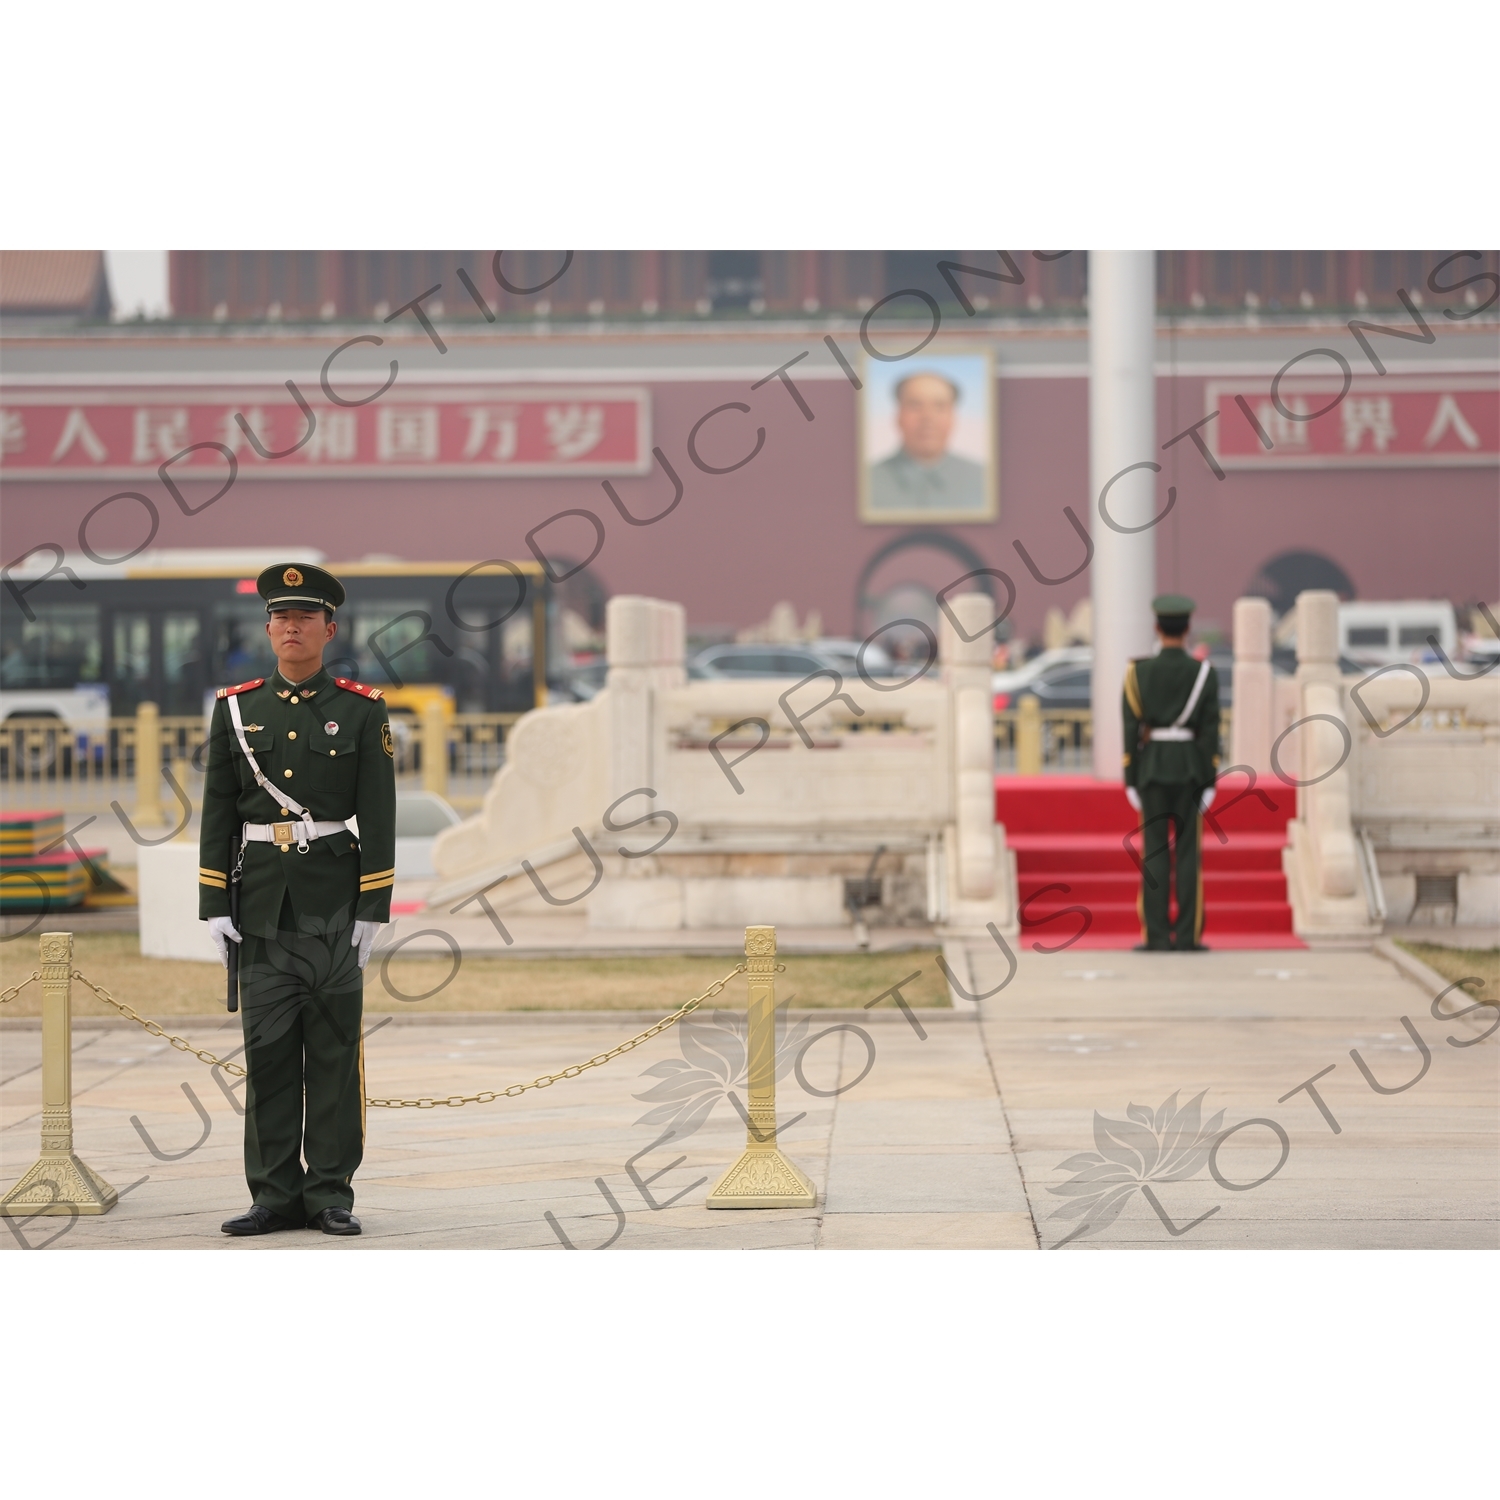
column 1029, row 736
column 434, row 750
column 147, row 765
column 59, row 1183
column 763, row 1177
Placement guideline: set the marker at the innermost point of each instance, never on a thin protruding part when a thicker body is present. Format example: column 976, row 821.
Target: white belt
column 1173, row 733
column 297, row 831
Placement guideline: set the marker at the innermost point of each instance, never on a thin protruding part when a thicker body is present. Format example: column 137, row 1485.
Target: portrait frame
column 975, row 440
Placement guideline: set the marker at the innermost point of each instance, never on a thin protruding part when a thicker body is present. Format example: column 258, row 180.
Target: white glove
column 221, row 930
column 1133, row 797
column 363, row 938
column 1206, row 801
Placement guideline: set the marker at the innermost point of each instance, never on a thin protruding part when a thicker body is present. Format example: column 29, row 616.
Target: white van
column 1377, row 633
column 85, row 707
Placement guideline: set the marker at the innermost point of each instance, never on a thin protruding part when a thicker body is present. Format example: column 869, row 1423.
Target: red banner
column 1434, row 421
column 483, row 432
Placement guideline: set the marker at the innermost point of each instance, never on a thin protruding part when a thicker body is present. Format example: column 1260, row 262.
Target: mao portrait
column 928, row 440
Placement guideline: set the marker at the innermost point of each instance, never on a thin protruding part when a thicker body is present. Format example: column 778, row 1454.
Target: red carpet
column 1069, row 834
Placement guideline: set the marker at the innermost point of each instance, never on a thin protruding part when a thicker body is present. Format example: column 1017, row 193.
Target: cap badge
column 292, row 577
column 330, row 727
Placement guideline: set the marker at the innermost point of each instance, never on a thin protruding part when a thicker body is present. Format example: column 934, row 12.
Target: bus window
column 516, row 648
column 378, row 618
column 182, row 664
column 242, row 649
column 130, row 681
column 59, row 649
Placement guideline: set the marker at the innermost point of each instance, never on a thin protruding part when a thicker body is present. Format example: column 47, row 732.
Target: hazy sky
column 138, row 282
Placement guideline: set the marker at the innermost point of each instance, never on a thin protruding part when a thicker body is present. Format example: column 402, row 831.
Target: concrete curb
column 1411, row 966
column 639, row 1019
column 1429, row 981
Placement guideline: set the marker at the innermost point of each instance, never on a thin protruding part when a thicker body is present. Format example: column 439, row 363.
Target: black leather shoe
column 257, row 1220
column 1151, row 948
column 1192, row 948
column 334, row 1221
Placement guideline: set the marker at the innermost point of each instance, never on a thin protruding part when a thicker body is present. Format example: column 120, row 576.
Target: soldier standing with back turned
column 302, row 768
column 1171, row 708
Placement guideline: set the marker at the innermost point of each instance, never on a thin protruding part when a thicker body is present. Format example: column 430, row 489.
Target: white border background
column 675, row 124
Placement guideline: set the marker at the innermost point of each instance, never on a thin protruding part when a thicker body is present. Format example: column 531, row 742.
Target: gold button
column 286, row 773
column 285, row 847
column 286, row 812
column 333, row 752
column 294, row 700
column 291, row 734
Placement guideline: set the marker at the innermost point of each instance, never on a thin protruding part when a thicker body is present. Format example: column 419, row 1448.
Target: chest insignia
column 330, row 727
column 254, row 728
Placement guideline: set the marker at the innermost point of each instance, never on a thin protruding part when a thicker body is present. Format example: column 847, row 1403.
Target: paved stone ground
column 949, row 1140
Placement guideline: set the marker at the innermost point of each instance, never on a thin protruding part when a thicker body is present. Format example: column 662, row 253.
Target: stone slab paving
column 952, row 1139
column 1417, row 1168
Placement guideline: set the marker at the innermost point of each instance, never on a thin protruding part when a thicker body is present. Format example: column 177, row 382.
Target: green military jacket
column 1156, row 690
column 328, row 742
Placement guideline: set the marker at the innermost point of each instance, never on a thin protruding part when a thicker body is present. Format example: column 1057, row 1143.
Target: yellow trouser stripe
column 1198, row 920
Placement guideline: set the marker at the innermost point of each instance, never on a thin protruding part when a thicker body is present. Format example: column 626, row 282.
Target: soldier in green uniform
column 1171, row 707
column 301, row 768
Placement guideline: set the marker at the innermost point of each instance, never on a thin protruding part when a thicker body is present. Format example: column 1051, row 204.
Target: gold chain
column 10, row 995
column 180, row 1043
column 488, row 1096
column 453, row 1101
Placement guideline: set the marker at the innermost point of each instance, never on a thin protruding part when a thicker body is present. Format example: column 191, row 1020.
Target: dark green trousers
column 1174, row 808
column 302, row 1001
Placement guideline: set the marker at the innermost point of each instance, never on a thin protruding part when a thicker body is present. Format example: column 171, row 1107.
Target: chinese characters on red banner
column 1381, row 423
column 488, row 432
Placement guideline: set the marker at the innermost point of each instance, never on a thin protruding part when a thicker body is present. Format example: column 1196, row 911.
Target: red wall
column 786, row 526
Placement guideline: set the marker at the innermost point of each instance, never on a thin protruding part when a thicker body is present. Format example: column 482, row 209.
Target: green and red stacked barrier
column 58, row 880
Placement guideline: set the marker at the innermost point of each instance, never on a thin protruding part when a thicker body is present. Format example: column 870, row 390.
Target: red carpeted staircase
column 1069, row 831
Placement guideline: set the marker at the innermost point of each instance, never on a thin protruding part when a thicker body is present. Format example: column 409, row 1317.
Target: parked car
column 878, row 662
column 1379, row 633
column 85, row 707
column 578, row 682
column 1007, row 685
column 754, row 659
column 1070, row 685
column 1066, row 685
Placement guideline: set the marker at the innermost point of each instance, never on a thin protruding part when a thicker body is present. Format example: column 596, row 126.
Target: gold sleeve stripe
column 1132, row 691
column 375, row 874
column 377, row 885
column 219, row 883
column 204, row 870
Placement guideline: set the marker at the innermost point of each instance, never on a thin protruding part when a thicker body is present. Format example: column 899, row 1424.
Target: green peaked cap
column 299, row 586
column 1173, row 604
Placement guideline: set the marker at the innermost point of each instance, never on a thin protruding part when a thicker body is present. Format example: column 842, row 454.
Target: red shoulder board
column 351, row 686
column 243, row 687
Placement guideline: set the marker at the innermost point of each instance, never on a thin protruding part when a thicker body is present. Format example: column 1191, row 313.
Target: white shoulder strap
column 1177, row 723
column 282, row 798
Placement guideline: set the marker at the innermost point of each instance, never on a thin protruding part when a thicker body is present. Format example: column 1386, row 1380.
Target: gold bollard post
column 1028, row 736
column 147, row 765
column 59, row 1183
column 763, row 1177
column 434, row 750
